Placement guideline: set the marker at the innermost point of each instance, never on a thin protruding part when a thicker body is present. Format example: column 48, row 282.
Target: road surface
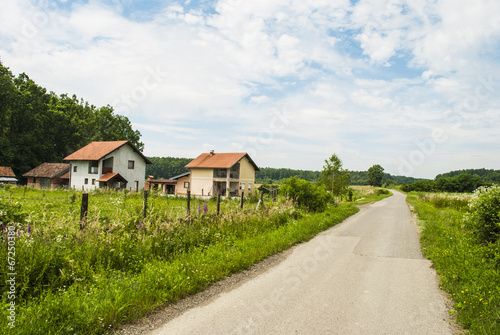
column 364, row 276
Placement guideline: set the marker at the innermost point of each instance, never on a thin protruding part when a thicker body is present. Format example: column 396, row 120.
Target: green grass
column 122, row 266
column 469, row 270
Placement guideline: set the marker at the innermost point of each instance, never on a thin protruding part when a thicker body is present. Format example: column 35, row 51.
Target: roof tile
column 219, row 160
column 6, row 171
column 97, row 150
column 48, row 170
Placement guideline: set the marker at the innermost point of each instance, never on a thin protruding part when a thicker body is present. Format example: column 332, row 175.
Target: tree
column 307, row 195
column 375, row 175
column 334, row 177
column 37, row 126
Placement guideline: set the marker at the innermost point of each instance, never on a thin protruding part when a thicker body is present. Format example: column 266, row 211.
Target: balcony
column 106, row 170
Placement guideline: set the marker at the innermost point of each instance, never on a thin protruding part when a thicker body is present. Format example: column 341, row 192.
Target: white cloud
column 348, row 73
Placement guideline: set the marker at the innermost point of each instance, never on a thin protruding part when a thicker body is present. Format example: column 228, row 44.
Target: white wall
column 120, row 165
column 77, row 180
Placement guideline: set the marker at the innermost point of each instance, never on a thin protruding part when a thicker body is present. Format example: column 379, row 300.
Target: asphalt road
column 364, row 276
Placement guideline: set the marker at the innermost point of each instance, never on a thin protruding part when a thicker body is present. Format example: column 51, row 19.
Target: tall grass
column 469, row 270
column 121, row 265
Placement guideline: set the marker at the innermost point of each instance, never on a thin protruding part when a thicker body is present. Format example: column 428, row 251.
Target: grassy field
column 121, row 266
column 469, row 269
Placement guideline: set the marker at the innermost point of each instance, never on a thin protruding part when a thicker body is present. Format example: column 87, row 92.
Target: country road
column 364, row 276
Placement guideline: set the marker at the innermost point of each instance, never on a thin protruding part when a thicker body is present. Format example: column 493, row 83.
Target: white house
column 114, row 164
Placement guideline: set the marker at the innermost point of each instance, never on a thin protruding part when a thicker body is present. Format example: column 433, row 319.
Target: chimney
column 211, row 153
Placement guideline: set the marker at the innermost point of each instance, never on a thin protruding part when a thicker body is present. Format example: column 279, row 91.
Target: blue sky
column 410, row 85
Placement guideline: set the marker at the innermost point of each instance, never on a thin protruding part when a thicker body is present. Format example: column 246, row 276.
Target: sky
column 411, row 85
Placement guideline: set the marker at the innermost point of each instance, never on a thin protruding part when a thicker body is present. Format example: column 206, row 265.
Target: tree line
column 167, row 167
column 463, row 183
column 37, row 126
column 487, row 175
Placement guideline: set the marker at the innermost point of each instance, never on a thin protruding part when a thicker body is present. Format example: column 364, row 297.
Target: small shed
column 7, row 175
column 48, row 175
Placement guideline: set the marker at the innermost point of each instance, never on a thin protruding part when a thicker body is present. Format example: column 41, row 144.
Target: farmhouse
column 176, row 185
column 114, row 164
column 222, row 173
column 7, row 176
column 48, row 175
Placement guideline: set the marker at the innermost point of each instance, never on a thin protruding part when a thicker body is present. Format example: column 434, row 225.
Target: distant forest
column 167, row 167
column 37, row 126
column 488, row 176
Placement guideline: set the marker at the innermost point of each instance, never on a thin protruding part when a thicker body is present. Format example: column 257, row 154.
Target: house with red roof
column 48, row 175
column 113, row 164
column 222, row 173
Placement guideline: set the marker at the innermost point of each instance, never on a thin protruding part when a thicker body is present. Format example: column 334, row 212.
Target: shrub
column 381, row 191
column 484, row 213
column 307, row 195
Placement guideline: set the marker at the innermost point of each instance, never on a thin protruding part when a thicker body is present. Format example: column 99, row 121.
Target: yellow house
column 222, row 173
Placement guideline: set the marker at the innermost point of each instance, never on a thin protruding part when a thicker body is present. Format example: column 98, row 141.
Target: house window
column 93, row 181
column 75, row 168
column 131, row 165
column 86, row 181
column 93, row 166
column 136, row 186
column 249, row 186
column 186, row 184
column 243, row 186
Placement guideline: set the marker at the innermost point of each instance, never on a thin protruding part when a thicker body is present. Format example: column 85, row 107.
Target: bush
column 307, row 195
column 381, row 191
column 484, row 213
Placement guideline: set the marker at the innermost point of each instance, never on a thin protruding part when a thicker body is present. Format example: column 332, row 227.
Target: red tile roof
column 219, row 160
column 48, row 170
column 6, row 171
column 98, row 150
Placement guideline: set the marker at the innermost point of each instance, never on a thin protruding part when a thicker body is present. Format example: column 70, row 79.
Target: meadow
column 121, row 265
column 467, row 263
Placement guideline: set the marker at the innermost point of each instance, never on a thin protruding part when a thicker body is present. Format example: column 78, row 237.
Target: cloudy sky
column 411, row 85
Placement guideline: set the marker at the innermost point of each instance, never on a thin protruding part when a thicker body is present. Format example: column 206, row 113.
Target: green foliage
column 382, row 191
column 484, row 214
column 468, row 268
column 361, row 178
column 271, row 175
column 375, row 175
column 487, row 175
column 120, row 267
column 307, row 195
column 37, row 127
column 166, row 167
column 334, row 177
column 460, row 183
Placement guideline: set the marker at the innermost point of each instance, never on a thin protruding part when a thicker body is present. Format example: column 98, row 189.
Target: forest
column 37, row 126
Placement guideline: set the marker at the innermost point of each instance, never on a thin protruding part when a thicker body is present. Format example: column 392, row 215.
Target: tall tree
column 375, row 175
column 37, row 127
column 334, row 177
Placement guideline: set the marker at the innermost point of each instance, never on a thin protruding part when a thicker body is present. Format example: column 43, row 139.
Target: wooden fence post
column 188, row 202
column 218, row 203
column 145, row 205
column 84, row 210
column 241, row 202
